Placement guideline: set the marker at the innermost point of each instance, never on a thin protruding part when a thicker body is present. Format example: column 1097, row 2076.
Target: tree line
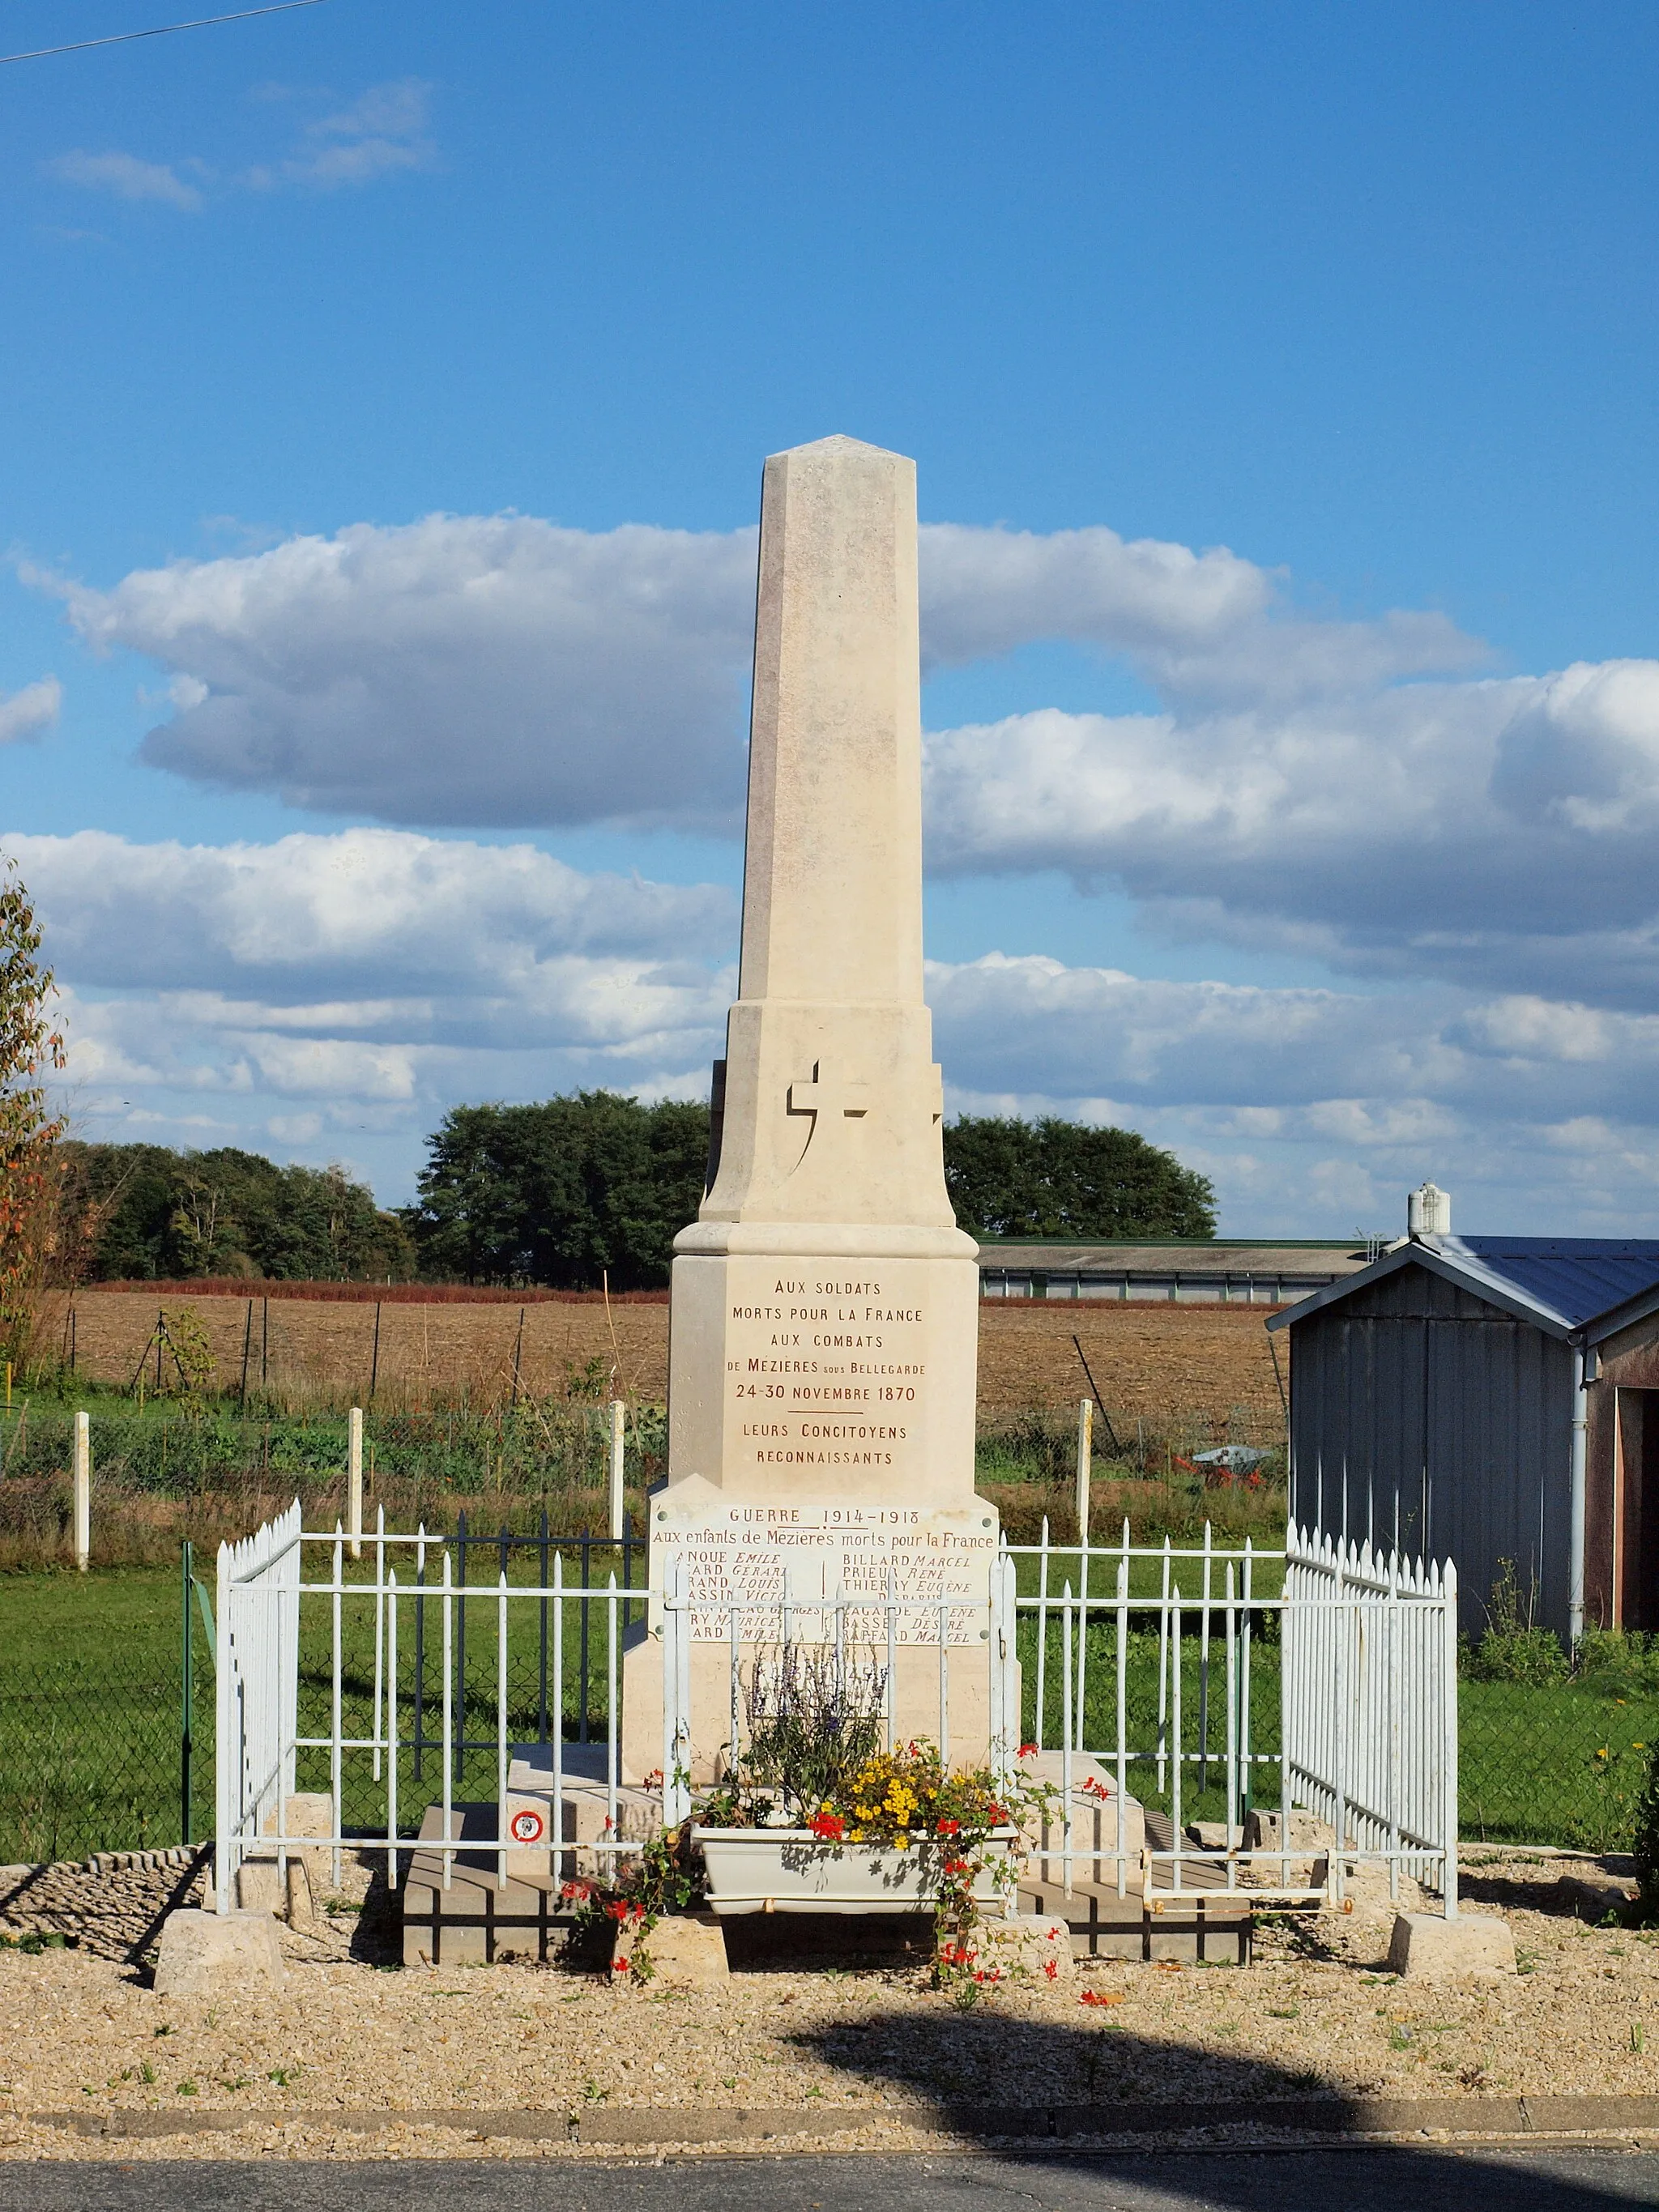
column 565, row 1193
column 145, row 1212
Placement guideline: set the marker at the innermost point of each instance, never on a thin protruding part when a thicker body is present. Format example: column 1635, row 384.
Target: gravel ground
column 80, row 2031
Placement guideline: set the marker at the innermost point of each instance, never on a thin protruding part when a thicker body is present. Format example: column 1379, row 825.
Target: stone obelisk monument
column 823, row 1323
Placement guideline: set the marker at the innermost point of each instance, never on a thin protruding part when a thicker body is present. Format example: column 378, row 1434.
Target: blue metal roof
column 1566, row 1284
column 1576, row 1277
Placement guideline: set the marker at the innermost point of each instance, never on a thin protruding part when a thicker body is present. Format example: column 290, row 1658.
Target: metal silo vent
column 1428, row 1212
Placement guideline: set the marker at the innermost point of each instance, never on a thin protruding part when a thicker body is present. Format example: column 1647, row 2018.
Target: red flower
column 1099, row 1998
column 995, row 1815
column 949, row 1827
column 957, row 1866
column 1028, row 1750
column 1051, row 1968
column 619, row 1966
column 829, row 1825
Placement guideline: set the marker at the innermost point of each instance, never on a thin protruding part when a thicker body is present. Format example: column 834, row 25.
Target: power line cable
column 160, row 31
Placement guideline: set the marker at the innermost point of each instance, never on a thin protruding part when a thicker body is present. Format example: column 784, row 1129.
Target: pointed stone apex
column 838, row 444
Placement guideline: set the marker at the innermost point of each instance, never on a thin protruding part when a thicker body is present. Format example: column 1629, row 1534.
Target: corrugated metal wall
column 1420, row 1413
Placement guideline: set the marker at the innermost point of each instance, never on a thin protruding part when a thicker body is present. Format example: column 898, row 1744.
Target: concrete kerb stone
column 204, row 1953
column 1427, row 1948
column 1272, row 2120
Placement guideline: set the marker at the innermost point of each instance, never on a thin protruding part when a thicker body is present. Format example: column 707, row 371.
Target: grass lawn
column 90, row 1713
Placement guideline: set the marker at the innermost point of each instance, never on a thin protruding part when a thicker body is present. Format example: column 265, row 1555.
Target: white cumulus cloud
column 336, row 994
column 32, row 711
column 1368, row 793
column 471, row 671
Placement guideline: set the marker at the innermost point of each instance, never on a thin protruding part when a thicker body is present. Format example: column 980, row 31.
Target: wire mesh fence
column 90, row 1756
column 1559, row 1762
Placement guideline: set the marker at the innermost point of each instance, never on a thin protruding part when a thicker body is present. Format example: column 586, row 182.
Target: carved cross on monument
column 825, row 1095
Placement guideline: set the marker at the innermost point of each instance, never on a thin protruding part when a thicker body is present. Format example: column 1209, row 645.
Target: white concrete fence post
column 1085, row 1456
column 82, row 1491
column 618, row 1466
column 355, row 1480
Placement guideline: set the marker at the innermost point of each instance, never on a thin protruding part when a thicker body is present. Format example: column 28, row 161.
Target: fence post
column 187, row 1698
column 82, row 1491
column 355, row 1479
column 222, row 1735
column 1085, row 1455
column 1449, row 1707
column 618, row 1418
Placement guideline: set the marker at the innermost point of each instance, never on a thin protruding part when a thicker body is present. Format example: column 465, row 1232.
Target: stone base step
column 1214, row 1925
column 1214, row 1929
column 475, row 1921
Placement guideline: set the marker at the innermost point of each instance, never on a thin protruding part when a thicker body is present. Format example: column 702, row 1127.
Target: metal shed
column 1486, row 1399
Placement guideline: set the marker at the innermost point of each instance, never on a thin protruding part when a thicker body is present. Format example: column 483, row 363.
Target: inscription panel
column 827, row 1372
column 814, row 1572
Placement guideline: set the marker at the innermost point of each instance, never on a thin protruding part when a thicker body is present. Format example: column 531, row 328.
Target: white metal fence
column 1153, row 1666
column 375, row 1622
column 1195, row 1679
column 256, row 1687
column 1369, row 1698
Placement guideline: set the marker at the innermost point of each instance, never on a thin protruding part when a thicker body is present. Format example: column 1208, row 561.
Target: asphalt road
column 1272, row 2181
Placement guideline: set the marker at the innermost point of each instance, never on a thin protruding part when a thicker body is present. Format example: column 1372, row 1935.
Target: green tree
column 29, row 1131
column 154, row 1214
column 1059, row 1179
column 562, row 1193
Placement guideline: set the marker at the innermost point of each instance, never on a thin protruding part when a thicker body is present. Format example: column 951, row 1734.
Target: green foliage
column 1647, row 1838
column 815, row 1719
column 1621, row 1662
column 167, row 1449
column 562, row 1194
column 29, row 1045
column 1059, row 1179
column 1512, row 1648
column 147, row 1213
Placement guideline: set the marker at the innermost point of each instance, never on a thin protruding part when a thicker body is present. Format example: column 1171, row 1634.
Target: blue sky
column 1280, row 384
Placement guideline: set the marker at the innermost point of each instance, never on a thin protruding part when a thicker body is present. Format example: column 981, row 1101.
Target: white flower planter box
column 793, row 1870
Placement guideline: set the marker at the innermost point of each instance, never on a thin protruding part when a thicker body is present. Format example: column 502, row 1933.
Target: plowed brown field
column 1170, row 1366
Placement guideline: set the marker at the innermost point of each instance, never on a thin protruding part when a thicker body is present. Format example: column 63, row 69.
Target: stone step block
column 210, row 1953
